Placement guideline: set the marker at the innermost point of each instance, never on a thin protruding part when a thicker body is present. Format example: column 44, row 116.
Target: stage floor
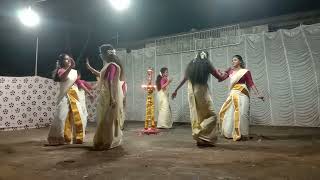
column 271, row 153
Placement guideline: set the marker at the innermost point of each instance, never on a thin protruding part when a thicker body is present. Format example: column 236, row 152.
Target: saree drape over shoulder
column 70, row 118
column 234, row 113
column 110, row 119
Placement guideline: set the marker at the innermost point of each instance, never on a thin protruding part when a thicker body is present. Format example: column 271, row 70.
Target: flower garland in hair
column 160, row 73
column 196, row 58
column 111, row 51
column 205, row 55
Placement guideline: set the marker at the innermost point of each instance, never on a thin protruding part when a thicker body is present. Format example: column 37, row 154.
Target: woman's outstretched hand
column 261, row 97
column 87, row 63
column 174, row 94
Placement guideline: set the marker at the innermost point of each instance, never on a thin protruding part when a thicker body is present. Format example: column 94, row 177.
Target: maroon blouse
column 163, row 81
column 245, row 79
column 110, row 75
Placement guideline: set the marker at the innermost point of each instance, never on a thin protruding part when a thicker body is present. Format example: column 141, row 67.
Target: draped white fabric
column 285, row 66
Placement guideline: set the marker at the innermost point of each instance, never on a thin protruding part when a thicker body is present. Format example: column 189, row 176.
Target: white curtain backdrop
column 285, row 66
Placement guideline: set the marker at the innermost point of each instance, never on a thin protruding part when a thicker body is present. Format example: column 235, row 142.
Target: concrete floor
column 272, row 153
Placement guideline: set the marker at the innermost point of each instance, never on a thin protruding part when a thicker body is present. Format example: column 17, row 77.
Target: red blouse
column 82, row 83
column 163, row 81
column 111, row 73
column 245, row 79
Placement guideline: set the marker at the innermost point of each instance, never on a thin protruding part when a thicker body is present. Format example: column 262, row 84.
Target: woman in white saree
column 234, row 113
column 123, row 85
column 202, row 115
column 110, row 102
column 69, row 121
column 164, row 118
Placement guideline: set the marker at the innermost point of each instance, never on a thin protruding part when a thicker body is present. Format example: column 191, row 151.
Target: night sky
column 78, row 27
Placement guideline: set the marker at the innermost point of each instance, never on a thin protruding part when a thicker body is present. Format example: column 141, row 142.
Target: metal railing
column 211, row 38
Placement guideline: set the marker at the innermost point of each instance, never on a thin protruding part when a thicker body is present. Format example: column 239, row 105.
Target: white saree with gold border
column 164, row 117
column 202, row 115
column 109, row 119
column 69, row 119
column 234, row 113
